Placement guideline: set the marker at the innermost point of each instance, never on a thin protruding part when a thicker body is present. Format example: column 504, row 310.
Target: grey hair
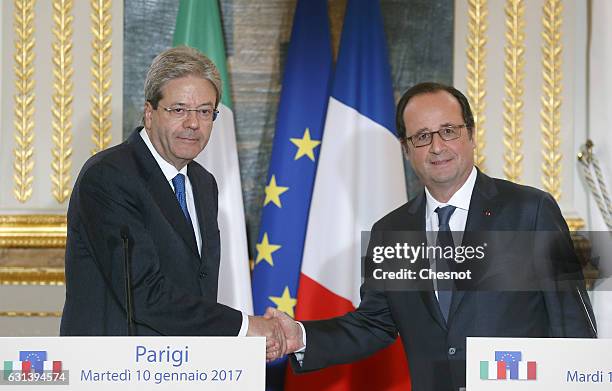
column 175, row 63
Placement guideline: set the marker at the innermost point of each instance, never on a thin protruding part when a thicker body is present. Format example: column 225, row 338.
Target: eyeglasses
column 446, row 133
column 180, row 113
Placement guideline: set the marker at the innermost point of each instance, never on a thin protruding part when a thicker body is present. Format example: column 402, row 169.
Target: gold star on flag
column 273, row 192
column 265, row 250
column 305, row 146
column 285, row 303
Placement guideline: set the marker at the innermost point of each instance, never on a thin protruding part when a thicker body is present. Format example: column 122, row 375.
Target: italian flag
column 13, row 366
column 492, row 370
column 26, row 367
column 198, row 24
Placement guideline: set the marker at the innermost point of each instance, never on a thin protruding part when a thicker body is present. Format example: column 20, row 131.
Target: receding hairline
column 216, row 101
column 436, row 92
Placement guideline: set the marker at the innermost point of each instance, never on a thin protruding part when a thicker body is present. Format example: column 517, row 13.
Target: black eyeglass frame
column 454, row 127
column 171, row 109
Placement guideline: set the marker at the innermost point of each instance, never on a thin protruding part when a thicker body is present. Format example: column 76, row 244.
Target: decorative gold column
column 101, row 73
column 551, row 97
column 476, row 72
column 24, row 99
column 62, row 99
column 514, row 63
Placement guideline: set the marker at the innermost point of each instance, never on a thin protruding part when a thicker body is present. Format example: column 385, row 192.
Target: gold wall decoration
column 24, row 98
column 101, row 73
column 575, row 223
column 13, row 275
column 30, row 314
column 476, row 72
column 551, row 97
column 62, row 99
column 514, row 63
column 23, row 231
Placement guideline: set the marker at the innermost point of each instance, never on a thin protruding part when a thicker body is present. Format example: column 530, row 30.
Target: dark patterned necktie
column 179, row 189
column 445, row 239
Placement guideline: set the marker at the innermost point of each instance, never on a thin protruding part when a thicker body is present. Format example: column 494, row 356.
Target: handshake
column 283, row 334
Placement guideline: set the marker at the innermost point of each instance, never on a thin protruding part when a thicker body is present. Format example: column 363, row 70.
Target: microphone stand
column 128, row 281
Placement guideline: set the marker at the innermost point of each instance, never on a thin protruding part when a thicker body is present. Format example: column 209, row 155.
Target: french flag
column 360, row 178
column 527, row 370
column 54, row 367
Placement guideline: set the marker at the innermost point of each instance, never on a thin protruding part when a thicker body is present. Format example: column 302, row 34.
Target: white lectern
column 133, row 363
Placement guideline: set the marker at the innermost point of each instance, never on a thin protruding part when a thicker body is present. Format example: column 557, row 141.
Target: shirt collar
column 168, row 169
column 461, row 198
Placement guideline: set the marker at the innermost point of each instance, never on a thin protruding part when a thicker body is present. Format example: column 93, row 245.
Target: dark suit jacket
column 436, row 350
column 174, row 289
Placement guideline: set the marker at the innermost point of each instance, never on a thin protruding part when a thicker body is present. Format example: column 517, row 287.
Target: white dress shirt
column 170, row 172
column 461, row 201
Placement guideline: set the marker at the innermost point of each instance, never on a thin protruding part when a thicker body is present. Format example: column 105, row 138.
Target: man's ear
column 472, row 135
column 147, row 113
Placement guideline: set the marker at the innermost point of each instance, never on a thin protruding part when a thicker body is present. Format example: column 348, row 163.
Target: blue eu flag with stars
column 512, row 360
column 293, row 164
column 35, row 357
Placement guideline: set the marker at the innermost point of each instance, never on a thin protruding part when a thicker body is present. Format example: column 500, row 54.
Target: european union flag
column 35, row 357
column 293, row 164
column 511, row 359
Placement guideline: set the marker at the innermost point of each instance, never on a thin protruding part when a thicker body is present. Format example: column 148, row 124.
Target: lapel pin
column 487, row 212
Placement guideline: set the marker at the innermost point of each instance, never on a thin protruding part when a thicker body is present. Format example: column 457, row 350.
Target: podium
column 519, row 364
column 133, row 363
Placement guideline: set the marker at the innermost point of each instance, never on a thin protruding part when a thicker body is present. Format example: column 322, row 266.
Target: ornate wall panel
column 58, row 61
column 56, row 70
column 476, row 71
column 534, row 99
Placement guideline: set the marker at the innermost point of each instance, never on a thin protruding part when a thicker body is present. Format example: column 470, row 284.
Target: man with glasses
column 436, row 129
column 147, row 200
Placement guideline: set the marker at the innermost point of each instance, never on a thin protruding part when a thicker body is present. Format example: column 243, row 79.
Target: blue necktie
column 179, row 189
column 445, row 238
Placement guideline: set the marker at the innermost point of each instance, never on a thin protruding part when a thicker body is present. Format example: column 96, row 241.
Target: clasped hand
column 283, row 334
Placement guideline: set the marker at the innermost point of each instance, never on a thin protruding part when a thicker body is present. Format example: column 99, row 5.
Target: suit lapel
column 162, row 193
column 479, row 219
column 199, row 189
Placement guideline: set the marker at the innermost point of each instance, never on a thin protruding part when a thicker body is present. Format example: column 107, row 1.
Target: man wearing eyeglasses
column 147, row 200
column 436, row 129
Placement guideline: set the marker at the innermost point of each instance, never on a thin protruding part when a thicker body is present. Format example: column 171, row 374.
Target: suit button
column 202, row 274
column 451, row 351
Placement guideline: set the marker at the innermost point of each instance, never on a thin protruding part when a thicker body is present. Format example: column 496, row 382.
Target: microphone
column 129, row 311
column 587, row 313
